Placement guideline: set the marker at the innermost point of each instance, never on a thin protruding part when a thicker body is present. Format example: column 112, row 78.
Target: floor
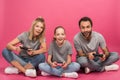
column 112, row 75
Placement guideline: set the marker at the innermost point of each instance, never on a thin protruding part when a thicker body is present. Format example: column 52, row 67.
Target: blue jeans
column 98, row 65
column 34, row 60
column 72, row 67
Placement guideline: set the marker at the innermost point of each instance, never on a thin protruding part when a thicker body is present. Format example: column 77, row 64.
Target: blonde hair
column 42, row 34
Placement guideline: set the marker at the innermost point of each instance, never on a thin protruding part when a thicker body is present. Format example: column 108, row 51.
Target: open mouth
column 60, row 39
column 38, row 32
column 86, row 34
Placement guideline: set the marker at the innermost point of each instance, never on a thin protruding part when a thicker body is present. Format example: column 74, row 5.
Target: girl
column 32, row 49
column 59, row 57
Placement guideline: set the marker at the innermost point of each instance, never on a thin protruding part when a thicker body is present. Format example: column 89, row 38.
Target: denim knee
column 38, row 59
column 114, row 56
column 41, row 58
column 76, row 66
column 41, row 66
column 83, row 61
column 7, row 55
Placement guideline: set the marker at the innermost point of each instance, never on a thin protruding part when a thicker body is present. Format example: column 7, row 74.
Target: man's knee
column 82, row 61
column 114, row 56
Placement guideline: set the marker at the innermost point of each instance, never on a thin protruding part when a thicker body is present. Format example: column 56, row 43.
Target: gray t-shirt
column 26, row 42
column 59, row 54
column 97, row 40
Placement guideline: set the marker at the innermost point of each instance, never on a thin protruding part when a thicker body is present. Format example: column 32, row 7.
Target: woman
column 59, row 57
column 31, row 51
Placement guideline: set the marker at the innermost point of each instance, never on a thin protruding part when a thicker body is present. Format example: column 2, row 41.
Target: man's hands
column 103, row 58
column 91, row 56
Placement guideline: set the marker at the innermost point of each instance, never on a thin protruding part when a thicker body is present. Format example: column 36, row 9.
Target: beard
column 87, row 34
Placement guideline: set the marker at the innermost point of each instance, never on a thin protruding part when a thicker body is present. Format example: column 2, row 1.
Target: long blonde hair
column 42, row 34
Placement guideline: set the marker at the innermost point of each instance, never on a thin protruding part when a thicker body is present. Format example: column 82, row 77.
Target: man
column 87, row 43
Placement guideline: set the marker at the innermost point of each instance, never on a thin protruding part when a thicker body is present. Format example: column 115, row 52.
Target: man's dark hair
column 85, row 19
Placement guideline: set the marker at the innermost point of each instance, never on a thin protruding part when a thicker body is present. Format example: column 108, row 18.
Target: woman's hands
column 30, row 52
column 18, row 49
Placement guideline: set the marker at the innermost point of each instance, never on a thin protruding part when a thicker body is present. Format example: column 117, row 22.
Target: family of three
column 32, row 49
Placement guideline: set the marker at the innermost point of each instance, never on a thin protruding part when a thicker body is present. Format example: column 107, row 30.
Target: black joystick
column 98, row 55
column 25, row 48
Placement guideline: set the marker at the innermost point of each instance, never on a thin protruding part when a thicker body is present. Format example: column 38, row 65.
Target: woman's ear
column 54, row 37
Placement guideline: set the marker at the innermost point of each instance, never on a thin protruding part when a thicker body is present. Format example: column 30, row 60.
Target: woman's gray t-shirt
column 26, row 42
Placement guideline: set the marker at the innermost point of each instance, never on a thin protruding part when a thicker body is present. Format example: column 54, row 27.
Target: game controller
column 25, row 48
column 59, row 64
column 98, row 55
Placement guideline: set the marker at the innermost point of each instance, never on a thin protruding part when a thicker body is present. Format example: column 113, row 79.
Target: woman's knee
column 5, row 52
column 7, row 55
column 41, row 57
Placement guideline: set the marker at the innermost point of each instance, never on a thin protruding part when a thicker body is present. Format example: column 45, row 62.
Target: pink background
column 16, row 16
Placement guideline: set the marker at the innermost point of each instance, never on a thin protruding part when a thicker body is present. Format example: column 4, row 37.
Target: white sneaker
column 112, row 67
column 87, row 70
column 11, row 70
column 71, row 75
column 44, row 73
column 30, row 72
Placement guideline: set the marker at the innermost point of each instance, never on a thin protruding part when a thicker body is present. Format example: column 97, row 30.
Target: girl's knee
column 77, row 66
column 41, row 66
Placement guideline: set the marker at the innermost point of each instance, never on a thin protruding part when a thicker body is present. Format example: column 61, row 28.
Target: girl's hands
column 64, row 65
column 54, row 64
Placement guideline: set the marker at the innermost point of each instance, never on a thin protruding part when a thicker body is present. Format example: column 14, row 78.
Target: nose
column 85, row 29
column 60, row 35
column 39, row 29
